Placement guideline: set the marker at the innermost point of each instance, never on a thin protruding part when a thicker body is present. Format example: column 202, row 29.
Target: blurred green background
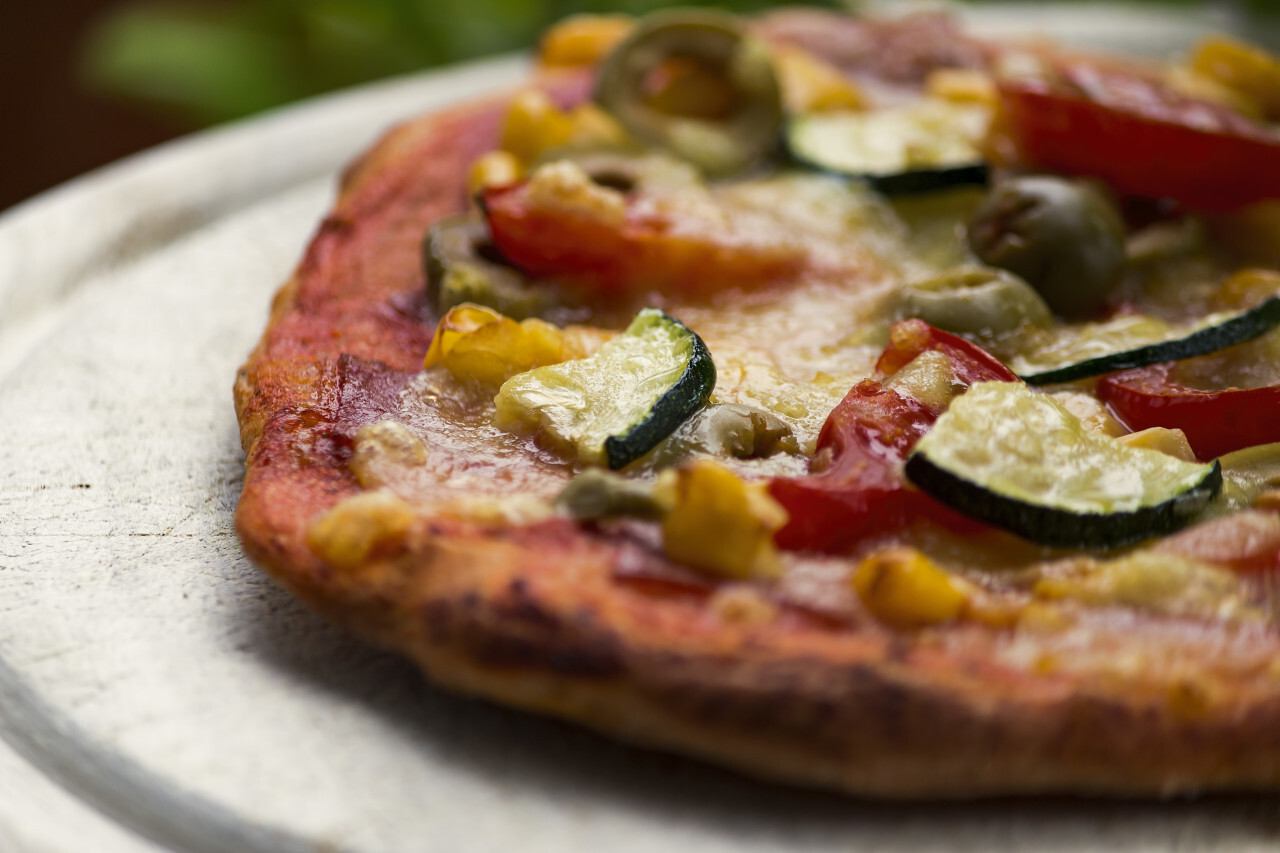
column 88, row 81
column 205, row 62
column 212, row 61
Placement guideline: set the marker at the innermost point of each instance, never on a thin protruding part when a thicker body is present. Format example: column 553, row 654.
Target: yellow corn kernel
column 1251, row 233
column 718, row 524
column 962, row 85
column 592, row 127
column 743, row 605
column 1196, row 85
column 1171, row 442
column 384, row 449
column 534, row 124
column 1249, row 287
column 1044, row 618
column 812, row 85
column 1246, row 68
column 459, row 321
column 583, row 39
column 477, row 344
column 904, row 588
column 359, row 528
column 1267, row 499
column 494, row 169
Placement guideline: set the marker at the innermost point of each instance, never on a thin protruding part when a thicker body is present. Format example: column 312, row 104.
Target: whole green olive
column 1064, row 237
column 696, row 83
column 975, row 300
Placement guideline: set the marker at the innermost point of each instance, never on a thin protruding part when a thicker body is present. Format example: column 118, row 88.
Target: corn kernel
column 564, row 187
column 494, row 169
column 1249, row 287
column 592, row 127
column 1171, row 442
column 1044, row 618
column 1252, row 233
column 583, row 39
column 812, row 85
column 459, row 321
column 384, row 449
column 1196, row 85
column 719, row 524
column 360, row 527
column 534, row 124
column 477, row 344
column 1247, row 69
column 904, row 588
column 962, row 85
column 741, row 605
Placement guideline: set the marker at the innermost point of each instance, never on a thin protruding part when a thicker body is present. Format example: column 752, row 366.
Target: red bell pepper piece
column 858, row 490
column 646, row 247
column 1215, row 422
column 1141, row 137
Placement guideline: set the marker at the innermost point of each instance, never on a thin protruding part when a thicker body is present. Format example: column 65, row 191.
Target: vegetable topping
column 1141, row 137
column 616, row 405
column 922, row 147
column 1015, row 458
column 1215, row 421
column 1063, row 237
column 694, row 82
column 856, row 488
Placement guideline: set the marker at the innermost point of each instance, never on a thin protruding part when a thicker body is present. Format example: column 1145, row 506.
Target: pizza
column 854, row 403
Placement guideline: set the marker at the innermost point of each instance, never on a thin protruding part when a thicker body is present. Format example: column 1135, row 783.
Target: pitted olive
column 461, row 266
column 696, row 83
column 597, row 493
column 728, row 429
column 1064, row 237
column 975, row 300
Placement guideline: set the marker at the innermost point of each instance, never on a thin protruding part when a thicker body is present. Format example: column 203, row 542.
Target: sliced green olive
column 597, row 493
column 728, row 429
column 975, row 300
column 694, row 82
column 1064, row 237
column 462, row 266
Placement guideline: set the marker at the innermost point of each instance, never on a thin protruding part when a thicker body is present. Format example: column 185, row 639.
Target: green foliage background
column 206, row 62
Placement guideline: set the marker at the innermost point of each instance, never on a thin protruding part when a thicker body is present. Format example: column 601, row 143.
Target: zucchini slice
column 1016, row 459
column 618, row 404
column 1217, row 332
column 922, row 147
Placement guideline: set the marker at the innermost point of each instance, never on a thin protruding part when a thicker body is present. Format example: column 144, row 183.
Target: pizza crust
column 535, row 616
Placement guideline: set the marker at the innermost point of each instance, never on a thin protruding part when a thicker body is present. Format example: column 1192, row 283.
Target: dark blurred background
column 86, row 82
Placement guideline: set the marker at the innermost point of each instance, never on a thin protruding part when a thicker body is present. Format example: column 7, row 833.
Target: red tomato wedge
column 1141, row 137
column 1215, row 422
column 861, row 492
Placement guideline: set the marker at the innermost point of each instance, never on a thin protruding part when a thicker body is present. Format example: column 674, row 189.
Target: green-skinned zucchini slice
column 923, row 147
column 1016, row 459
column 616, row 405
column 1217, row 332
